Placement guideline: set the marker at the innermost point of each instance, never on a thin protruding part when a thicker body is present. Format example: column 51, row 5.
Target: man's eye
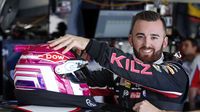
column 154, row 38
column 140, row 36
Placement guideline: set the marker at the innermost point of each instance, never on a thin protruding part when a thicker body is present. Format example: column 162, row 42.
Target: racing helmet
column 44, row 76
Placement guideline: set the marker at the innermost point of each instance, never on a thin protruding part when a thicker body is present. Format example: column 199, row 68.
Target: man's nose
column 147, row 42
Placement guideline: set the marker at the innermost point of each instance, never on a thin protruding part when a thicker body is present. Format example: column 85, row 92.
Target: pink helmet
column 43, row 75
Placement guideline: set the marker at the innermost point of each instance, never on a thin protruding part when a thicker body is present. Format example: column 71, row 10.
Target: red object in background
column 196, row 79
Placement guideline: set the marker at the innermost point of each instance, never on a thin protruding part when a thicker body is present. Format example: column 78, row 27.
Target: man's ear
column 165, row 42
column 195, row 48
column 130, row 40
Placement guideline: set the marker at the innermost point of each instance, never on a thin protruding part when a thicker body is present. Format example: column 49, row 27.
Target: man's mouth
column 146, row 51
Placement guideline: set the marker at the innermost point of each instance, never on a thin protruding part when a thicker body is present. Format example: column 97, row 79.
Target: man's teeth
column 147, row 51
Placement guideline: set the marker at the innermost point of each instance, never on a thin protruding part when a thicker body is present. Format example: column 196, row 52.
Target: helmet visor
column 78, row 76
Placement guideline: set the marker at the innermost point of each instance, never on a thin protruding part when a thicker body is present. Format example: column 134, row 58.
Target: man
column 144, row 75
column 191, row 61
column 189, row 50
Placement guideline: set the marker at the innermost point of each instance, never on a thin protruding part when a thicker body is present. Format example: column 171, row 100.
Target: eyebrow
column 155, row 35
column 150, row 34
column 139, row 34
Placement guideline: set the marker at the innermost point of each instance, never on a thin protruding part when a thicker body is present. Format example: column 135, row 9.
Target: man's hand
column 145, row 106
column 68, row 42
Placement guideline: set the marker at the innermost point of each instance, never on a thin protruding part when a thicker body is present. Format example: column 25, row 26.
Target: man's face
column 148, row 40
column 187, row 48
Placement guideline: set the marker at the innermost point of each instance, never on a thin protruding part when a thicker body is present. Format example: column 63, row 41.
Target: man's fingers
column 58, row 41
column 134, row 108
column 63, row 44
column 51, row 41
column 137, row 106
column 70, row 46
column 68, row 42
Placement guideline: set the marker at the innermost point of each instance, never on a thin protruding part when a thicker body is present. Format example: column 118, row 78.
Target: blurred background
column 37, row 21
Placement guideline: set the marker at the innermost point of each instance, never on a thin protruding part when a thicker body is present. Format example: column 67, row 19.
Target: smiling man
column 144, row 75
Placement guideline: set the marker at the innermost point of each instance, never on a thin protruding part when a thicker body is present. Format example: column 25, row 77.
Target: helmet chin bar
column 70, row 66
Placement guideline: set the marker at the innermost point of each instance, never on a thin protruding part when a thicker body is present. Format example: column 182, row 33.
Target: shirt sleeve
column 100, row 78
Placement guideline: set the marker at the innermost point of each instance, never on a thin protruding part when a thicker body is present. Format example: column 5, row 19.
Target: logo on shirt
column 125, row 93
column 130, row 65
column 134, row 95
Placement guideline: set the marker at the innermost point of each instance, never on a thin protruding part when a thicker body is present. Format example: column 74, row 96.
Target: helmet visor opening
column 76, row 76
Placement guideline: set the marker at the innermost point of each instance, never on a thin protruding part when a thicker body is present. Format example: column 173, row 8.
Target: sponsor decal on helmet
column 90, row 103
column 70, row 66
column 54, row 57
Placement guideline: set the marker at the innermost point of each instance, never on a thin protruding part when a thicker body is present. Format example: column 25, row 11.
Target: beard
column 148, row 58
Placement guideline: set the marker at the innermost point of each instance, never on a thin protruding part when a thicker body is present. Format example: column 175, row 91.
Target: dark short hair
column 147, row 16
column 193, row 41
